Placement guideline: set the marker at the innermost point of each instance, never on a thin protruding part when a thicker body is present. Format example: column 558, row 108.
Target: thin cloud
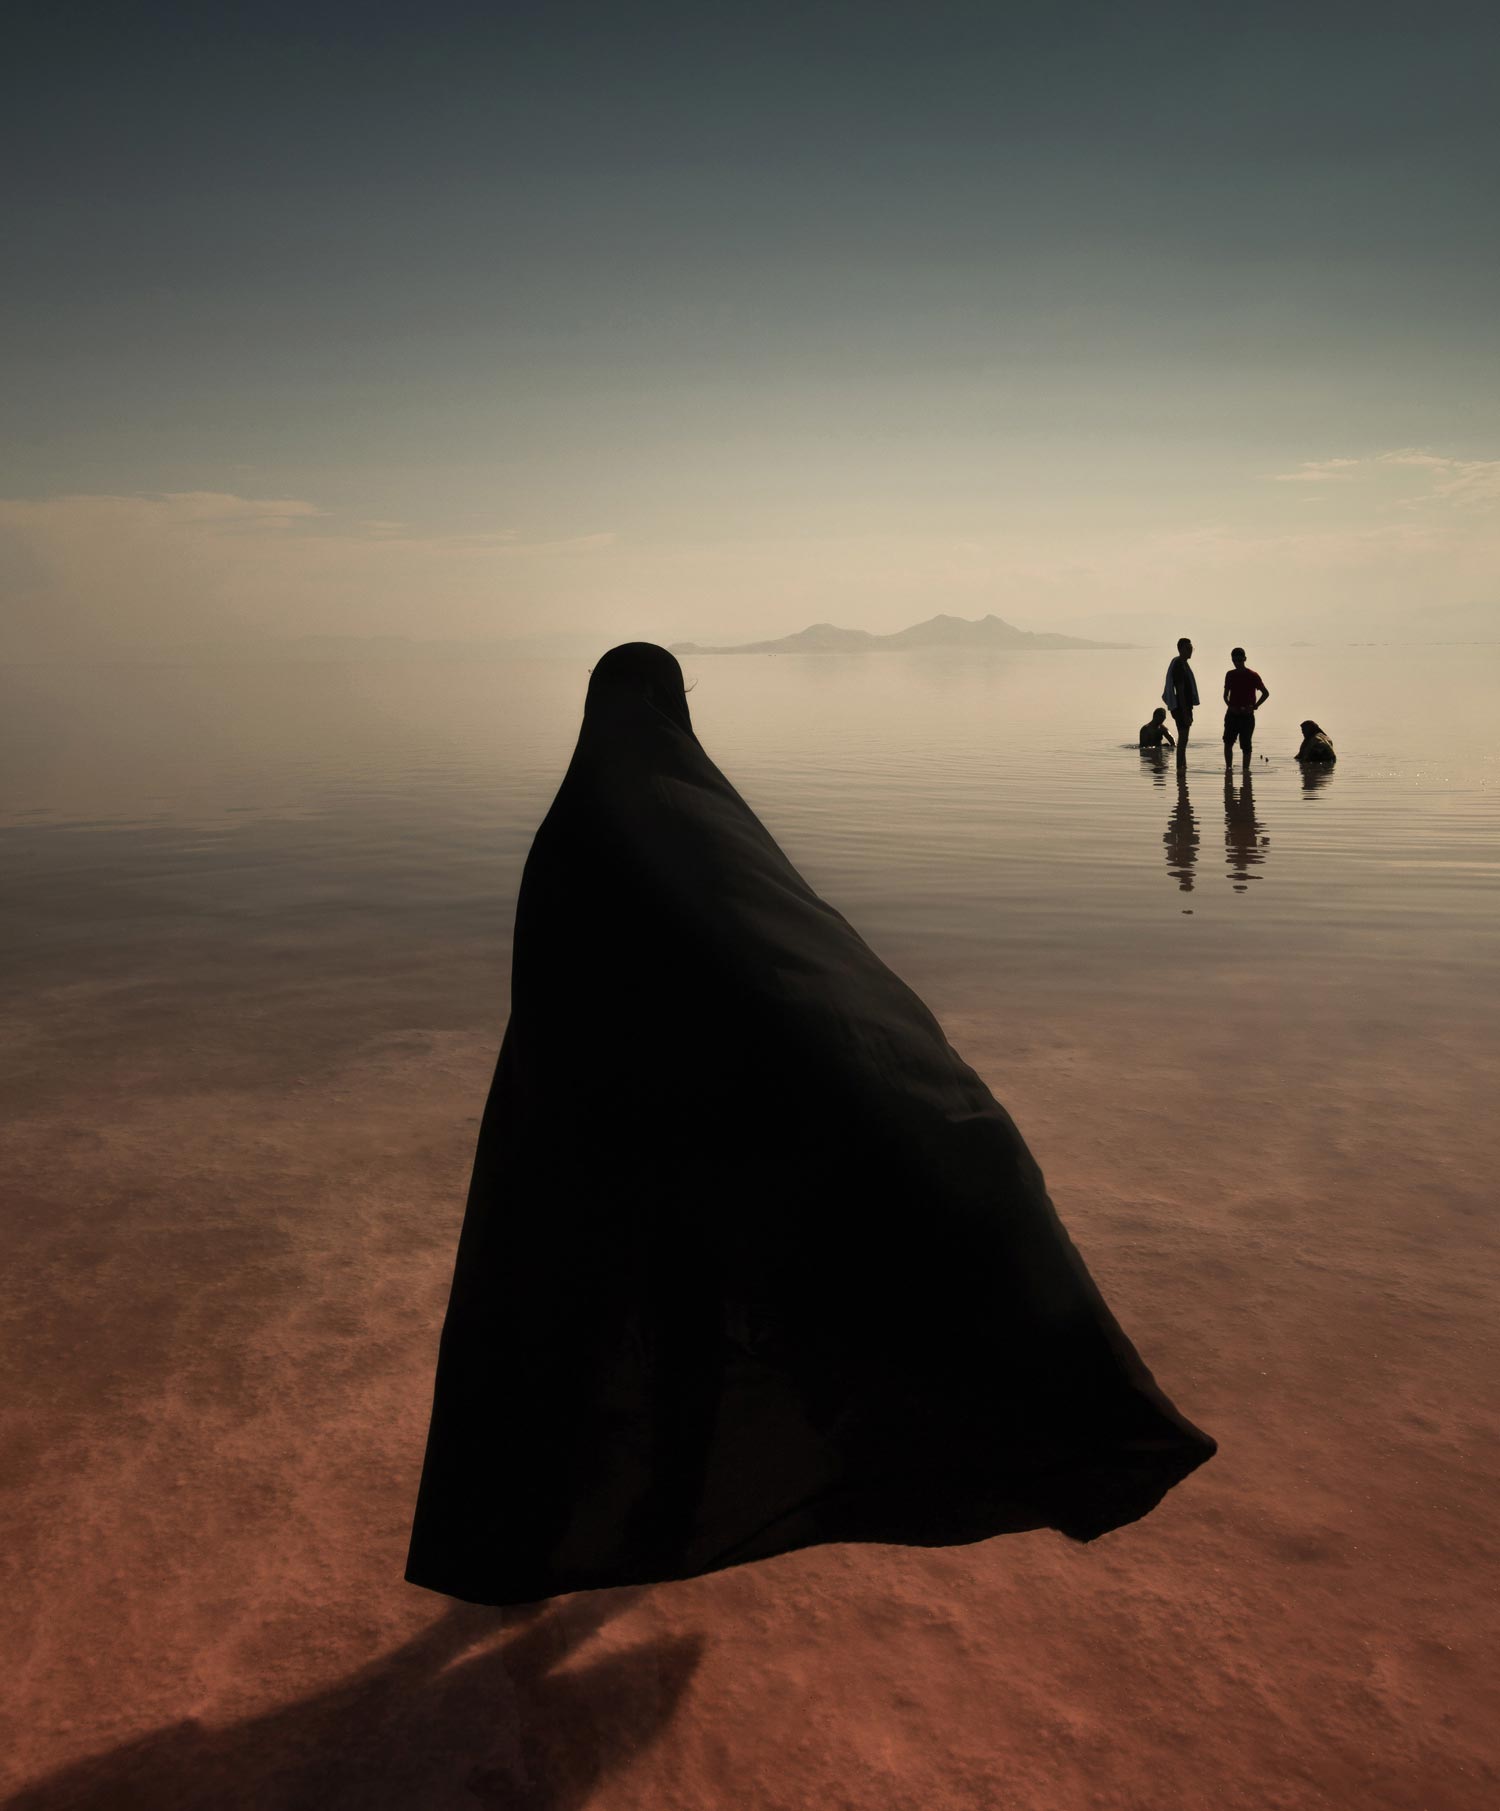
column 497, row 540
column 201, row 508
column 1450, row 480
column 1317, row 471
column 1453, row 480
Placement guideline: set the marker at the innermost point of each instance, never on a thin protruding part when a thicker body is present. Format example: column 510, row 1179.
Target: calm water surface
column 980, row 821
column 254, row 947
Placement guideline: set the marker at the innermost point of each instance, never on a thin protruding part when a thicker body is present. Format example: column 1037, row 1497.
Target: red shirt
column 1241, row 685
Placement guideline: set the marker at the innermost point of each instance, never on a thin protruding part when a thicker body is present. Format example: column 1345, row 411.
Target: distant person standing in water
column 1180, row 694
column 1155, row 733
column 1241, row 685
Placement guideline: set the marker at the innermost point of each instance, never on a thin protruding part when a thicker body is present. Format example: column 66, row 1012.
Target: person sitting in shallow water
column 1315, row 744
column 1155, row 733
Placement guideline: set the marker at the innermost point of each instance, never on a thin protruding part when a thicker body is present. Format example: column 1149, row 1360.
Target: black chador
column 752, row 1260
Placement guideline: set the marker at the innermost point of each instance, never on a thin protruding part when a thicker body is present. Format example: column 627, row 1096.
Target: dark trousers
column 1241, row 725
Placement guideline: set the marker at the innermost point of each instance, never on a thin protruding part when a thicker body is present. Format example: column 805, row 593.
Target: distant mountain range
column 936, row 632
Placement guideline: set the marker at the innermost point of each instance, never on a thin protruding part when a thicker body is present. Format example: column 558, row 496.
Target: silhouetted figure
column 1242, row 833
column 1315, row 747
column 1180, row 694
column 751, row 1259
column 1244, row 693
column 1155, row 733
column 1181, row 838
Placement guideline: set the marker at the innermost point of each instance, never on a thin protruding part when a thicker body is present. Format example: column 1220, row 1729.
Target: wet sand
column 229, row 1242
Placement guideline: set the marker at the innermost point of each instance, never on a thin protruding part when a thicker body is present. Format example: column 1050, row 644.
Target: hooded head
column 639, row 670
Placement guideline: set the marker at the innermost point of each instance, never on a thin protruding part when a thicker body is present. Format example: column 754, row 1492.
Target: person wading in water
column 1180, row 694
column 1241, row 683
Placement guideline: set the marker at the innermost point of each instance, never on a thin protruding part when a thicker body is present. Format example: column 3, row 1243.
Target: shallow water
column 254, row 946
column 981, row 822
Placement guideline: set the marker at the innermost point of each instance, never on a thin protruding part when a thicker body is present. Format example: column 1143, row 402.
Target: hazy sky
column 449, row 320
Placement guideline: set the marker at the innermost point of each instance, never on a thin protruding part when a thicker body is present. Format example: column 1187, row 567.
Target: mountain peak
column 940, row 631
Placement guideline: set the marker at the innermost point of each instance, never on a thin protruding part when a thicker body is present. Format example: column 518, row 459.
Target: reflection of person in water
column 1155, row 733
column 1242, row 832
column 1181, row 838
column 751, row 1260
column 1316, row 748
column 1154, row 762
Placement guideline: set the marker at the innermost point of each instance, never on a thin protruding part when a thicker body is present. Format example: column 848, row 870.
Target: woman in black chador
column 752, row 1260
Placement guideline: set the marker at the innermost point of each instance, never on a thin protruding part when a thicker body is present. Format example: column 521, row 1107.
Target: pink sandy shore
column 223, row 1308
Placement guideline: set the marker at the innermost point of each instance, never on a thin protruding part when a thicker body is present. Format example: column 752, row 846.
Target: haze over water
column 979, row 820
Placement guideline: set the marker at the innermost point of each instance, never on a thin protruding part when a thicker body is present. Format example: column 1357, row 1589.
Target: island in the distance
column 936, row 632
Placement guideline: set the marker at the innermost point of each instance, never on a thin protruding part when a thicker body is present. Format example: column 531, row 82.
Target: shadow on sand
column 454, row 1717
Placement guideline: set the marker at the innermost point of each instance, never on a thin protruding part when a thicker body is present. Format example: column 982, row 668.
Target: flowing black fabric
column 752, row 1260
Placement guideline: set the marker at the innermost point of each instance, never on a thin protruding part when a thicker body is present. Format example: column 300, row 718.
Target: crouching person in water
column 1315, row 744
column 1155, row 734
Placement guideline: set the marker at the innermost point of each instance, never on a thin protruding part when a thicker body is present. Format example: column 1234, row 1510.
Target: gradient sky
column 491, row 320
